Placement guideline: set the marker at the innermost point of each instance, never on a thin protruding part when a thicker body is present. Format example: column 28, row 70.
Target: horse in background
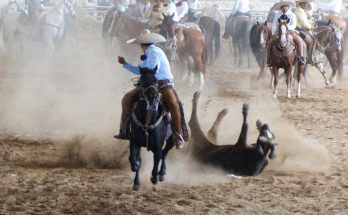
column 49, row 30
column 239, row 31
column 212, row 34
column 186, row 45
column 120, row 26
column 283, row 55
column 150, row 128
column 260, row 34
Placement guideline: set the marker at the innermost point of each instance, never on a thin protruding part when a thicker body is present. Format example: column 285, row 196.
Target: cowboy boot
column 310, row 43
column 122, row 135
column 174, row 109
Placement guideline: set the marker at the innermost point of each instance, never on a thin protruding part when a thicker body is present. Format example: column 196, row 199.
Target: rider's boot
column 310, row 44
column 172, row 102
column 127, row 103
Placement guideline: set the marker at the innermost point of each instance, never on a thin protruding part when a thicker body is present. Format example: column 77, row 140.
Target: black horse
column 149, row 127
column 239, row 159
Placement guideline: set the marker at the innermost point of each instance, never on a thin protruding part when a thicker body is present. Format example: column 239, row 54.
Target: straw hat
column 281, row 3
column 147, row 37
column 308, row 6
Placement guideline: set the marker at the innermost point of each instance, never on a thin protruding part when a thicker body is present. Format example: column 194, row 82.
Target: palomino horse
column 149, row 127
column 328, row 41
column 335, row 54
column 188, row 45
column 212, row 34
column 239, row 30
column 283, row 54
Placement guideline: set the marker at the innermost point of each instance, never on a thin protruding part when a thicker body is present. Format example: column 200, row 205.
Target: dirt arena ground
column 57, row 153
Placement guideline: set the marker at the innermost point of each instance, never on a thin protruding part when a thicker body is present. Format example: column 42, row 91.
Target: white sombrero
column 308, row 6
column 281, row 3
column 147, row 37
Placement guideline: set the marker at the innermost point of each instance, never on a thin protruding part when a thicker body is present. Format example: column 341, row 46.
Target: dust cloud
column 72, row 97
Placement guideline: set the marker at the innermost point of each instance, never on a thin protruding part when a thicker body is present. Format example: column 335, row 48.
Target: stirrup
column 179, row 141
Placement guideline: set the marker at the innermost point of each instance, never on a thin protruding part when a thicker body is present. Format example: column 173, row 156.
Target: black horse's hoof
column 154, row 180
column 161, row 178
column 136, row 187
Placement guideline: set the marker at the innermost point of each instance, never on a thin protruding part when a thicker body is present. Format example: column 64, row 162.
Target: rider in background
column 285, row 14
column 240, row 8
column 12, row 7
column 153, row 57
column 304, row 26
column 182, row 9
column 192, row 9
column 34, row 10
column 334, row 7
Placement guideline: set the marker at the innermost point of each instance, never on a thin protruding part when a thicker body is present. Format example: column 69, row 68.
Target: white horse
column 53, row 24
column 16, row 28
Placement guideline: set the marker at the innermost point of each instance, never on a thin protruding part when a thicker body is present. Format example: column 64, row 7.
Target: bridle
column 146, row 126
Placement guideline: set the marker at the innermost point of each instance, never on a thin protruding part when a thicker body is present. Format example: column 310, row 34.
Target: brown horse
column 212, row 34
column 260, row 34
column 188, row 45
column 122, row 27
column 283, row 54
column 336, row 57
column 239, row 29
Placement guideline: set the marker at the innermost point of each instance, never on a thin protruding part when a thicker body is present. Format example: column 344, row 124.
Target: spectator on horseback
column 285, row 15
column 304, row 26
column 153, row 57
column 182, row 9
column 241, row 8
column 170, row 8
column 12, row 7
column 34, row 10
column 192, row 10
column 334, row 7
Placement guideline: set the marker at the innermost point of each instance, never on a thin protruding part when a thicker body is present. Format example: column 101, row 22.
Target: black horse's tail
column 256, row 48
column 216, row 34
column 205, row 54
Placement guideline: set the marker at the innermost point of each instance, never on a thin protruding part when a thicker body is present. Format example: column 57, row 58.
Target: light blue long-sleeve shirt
column 154, row 57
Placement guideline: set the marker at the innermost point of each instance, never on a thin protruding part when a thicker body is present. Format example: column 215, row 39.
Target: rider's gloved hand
column 121, row 60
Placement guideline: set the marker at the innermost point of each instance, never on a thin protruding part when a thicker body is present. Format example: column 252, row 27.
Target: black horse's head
column 149, row 86
column 266, row 138
column 167, row 28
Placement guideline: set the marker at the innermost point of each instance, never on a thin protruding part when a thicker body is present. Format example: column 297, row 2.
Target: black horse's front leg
column 167, row 148
column 157, row 155
column 135, row 162
column 242, row 140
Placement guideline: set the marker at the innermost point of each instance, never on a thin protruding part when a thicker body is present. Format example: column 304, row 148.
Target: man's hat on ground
column 281, row 3
column 146, row 37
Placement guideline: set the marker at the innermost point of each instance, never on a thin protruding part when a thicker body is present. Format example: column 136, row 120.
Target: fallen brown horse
column 188, row 46
column 240, row 158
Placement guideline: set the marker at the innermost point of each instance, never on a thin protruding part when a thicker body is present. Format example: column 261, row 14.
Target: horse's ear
column 141, row 70
column 155, row 69
column 330, row 22
column 265, row 23
column 257, row 23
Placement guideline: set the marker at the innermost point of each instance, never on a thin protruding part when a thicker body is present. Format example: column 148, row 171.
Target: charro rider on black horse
column 154, row 56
